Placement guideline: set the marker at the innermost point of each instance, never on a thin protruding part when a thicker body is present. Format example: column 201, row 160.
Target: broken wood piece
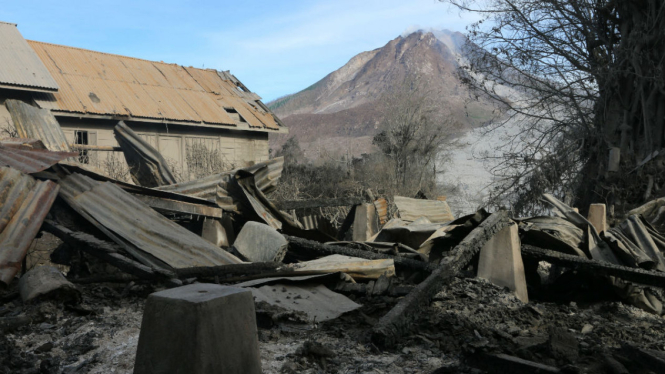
column 169, row 206
column 47, row 282
column 365, row 222
column 649, row 278
column 398, row 320
column 598, row 217
column 88, row 147
column 215, row 233
column 357, row 268
column 315, row 249
column 501, row 262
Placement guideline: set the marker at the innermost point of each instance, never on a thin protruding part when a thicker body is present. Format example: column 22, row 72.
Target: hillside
column 340, row 113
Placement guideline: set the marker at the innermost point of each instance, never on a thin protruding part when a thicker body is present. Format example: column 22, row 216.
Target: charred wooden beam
column 108, row 252
column 223, row 272
column 399, row 319
column 580, row 264
column 318, row 203
column 304, row 246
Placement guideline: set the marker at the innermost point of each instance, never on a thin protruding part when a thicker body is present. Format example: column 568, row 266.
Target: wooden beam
column 87, row 147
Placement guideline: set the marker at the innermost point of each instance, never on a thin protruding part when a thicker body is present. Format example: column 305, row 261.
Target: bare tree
column 412, row 134
column 578, row 77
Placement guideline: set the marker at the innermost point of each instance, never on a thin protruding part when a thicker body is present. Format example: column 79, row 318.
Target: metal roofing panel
column 19, row 65
column 206, row 107
column 29, row 160
column 144, row 72
column 242, row 108
column 96, row 96
column 170, row 105
column 208, row 79
column 177, row 76
column 35, row 123
column 434, row 210
column 135, row 99
column 110, row 68
column 24, row 204
column 135, row 226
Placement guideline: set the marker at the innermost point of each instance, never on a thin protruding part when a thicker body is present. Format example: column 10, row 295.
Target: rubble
column 401, row 286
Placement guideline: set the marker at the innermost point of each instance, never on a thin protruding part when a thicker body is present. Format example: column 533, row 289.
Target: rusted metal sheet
column 146, row 165
column 381, row 206
column 20, row 67
column 35, row 123
column 412, row 209
column 25, row 203
column 28, row 159
column 146, row 235
column 104, row 84
column 213, row 188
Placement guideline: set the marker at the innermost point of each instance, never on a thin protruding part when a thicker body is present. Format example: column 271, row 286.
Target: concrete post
column 501, row 262
column 197, row 329
column 598, row 217
column 615, row 158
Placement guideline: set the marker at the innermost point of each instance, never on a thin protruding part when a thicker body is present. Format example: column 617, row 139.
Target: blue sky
column 274, row 47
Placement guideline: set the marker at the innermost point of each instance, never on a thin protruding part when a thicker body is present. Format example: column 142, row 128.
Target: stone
column 598, row 217
column 365, row 222
column 214, row 232
column 199, row 329
column 563, row 345
column 258, row 242
column 47, row 282
column 501, row 262
column 586, row 329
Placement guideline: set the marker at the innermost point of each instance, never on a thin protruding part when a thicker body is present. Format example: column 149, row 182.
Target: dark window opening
column 81, row 137
column 234, row 114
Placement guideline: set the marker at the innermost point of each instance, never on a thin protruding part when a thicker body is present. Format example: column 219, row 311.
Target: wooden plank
column 180, row 207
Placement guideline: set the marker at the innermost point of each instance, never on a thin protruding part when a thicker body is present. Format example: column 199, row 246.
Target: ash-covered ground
column 468, row 317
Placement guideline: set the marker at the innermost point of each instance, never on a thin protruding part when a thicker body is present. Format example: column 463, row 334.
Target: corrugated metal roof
column 412, row 209
column 20, row 67
column 29, row 160
column 143, row 232
column 35, row 123
column 146, row 165
column 104, row 84
column 24, row 204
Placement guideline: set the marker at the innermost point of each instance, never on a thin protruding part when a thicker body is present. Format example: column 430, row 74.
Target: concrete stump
column 501, row 262
column 197, row 329
column 614, row 160
column 598, row 217
column 258, row 242
column 365, row 222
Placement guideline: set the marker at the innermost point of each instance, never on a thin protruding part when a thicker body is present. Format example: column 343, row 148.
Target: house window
column 81, row 137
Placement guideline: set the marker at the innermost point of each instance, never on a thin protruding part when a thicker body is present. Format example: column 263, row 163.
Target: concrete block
column 501, row 262
column 258, row 242
column 214, row 232
column 365, row 222
column 598, row 217
column 47, row 282
column 197, row 329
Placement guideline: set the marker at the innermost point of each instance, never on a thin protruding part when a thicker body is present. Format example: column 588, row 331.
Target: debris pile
column 484, row 291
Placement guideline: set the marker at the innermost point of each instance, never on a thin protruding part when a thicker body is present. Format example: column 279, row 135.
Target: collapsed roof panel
column 28, row 159
column 24, row 204
column 143, row 232
column 35, row 123
column 20, row 67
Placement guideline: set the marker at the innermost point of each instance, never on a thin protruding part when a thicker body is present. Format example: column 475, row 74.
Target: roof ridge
column 114, row 54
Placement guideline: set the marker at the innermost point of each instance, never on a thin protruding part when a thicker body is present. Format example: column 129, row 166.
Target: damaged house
column 176, row 109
